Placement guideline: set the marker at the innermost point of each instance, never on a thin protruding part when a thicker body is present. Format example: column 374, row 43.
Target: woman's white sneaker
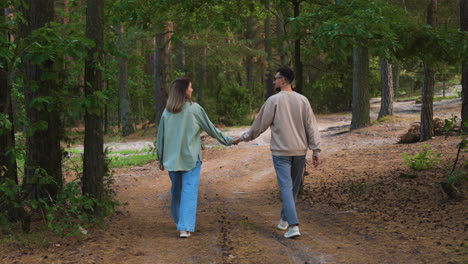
column 184, row 234
column 292, row 232
column 283, row 225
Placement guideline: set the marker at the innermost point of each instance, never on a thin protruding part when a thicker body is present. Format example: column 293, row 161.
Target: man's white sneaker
column 283, row 225
column 292, row 232
column 184, row 234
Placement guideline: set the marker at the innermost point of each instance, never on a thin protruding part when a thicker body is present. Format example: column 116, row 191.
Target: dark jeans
column 289, row 173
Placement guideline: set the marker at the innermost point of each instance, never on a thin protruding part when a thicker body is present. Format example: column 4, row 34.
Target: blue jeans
column 289, row 173
column 184, row 193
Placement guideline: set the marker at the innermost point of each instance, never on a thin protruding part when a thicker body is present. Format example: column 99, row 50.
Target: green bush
column 422, row 160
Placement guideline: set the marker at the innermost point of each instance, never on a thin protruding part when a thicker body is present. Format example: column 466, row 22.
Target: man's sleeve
column 313, row 134
column 262, row 122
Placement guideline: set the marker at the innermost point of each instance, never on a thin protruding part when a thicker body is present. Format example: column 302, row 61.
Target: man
column 294, row 129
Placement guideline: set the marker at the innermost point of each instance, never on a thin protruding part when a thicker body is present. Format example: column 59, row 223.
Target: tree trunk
column 126, row 123
column 269, row 60
column 396, row 79
column 94, row 167
column 299, row 80
column 280, row 37
column 361, row 98
column 427, row 96
column 386, row 83
column 464, row 81
column 43, row 152
column 201, row 77
column 249, row 64
column 180, row 57
column 8, row 168
column 160, row 90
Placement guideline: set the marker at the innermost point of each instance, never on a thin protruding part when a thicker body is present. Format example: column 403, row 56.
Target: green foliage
column 5, row 124
column 71, row 211
column 422, row 160
column 232, row 105
column 9, row 200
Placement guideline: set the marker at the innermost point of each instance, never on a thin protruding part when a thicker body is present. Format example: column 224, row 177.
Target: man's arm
column 261, row 123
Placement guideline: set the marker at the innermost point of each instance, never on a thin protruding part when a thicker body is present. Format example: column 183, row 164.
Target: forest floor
column 361, row 205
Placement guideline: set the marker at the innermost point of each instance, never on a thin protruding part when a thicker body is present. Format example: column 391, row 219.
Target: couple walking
column 293, row 130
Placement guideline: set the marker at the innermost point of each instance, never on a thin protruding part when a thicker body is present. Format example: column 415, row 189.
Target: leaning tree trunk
column 427, row 97
column 386, row 83
column 43, row 152
column 126, row 124
column 94, row 167
column 361, row 97
column 464, row 82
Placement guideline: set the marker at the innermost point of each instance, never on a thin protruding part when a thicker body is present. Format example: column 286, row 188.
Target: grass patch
column 26, row 240
column 388, row 119
column 134, row 160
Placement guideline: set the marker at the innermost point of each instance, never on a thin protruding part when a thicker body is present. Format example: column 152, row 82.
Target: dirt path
column 239, row 208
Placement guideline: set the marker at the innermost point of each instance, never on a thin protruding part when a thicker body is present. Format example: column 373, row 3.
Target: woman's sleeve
column 160, row 141
column 209, row 128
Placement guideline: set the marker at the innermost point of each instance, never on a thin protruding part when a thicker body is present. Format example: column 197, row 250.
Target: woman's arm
column 206, row 124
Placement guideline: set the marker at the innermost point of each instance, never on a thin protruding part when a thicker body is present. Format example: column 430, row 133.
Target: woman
column 179, row 151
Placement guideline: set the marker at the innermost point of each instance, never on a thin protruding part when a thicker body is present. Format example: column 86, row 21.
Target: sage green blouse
column 178, row 142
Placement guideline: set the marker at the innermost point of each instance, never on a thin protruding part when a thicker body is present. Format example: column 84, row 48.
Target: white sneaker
column 283, row 225
column 292, row 232
column 184, row 234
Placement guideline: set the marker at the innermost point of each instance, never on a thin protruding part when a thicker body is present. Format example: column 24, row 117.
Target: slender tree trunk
column 427, row 97
column 464, row 81
column 249, row 64
column 201, row 77
column 299, row 80
column 8, row 168
column 386, row 83
column 269, row 60
column 94, row 167
column 280, row 37
column 43, row 152
column 396, row 78
column 361, row 96
column 180, row 56
column 126, row 122
column 160, row 90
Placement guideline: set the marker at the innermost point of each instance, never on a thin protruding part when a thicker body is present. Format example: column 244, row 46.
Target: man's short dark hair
column 287, row 73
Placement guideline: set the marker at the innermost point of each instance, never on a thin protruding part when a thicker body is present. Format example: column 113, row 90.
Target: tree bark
column 299, row 80
column 249, row 64
column 8, row 167
column 126, row 122
column 280, row 37
column 361, row 97
column 269, row 60
column 94, row 167
column 396, row 79
column 386, row 83
column 464, row 80
column 427, row 96
column 43, row 152
column 160, row 90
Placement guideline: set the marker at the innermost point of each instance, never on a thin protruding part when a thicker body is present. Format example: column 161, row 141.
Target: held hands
column 315, row 161
column 236, row 140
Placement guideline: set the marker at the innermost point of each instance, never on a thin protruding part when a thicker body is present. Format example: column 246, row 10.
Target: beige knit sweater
column 293, row 125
